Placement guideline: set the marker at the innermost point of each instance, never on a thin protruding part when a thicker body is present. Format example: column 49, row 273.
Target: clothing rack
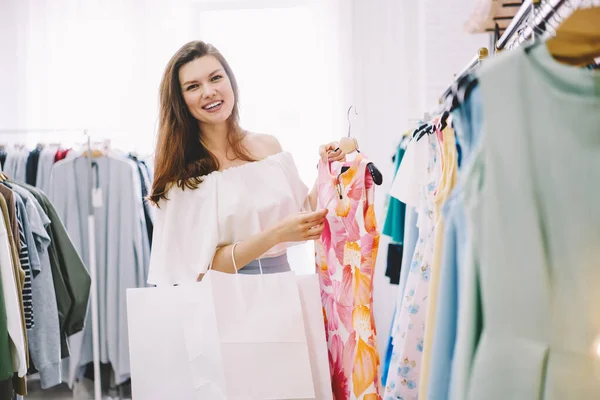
column 540, row 14
column 481, row 54
column 92, row 242
column 515, row 23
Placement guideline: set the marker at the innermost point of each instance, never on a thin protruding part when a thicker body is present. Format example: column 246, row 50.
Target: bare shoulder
column 262, row 145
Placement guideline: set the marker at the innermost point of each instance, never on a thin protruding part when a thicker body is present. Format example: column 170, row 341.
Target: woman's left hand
column 332, row 151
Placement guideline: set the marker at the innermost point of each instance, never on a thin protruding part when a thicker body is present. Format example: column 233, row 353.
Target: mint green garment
column 394, row 219
column 533, row 219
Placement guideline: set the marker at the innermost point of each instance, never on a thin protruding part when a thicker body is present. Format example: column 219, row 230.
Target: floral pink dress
column 345, row 260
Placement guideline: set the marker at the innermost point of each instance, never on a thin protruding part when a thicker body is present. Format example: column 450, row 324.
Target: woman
column 226, row 197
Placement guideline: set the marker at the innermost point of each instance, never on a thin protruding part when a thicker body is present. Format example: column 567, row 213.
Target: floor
column 81, row 391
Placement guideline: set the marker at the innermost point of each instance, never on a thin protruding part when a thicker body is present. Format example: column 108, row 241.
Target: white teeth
column 213, row 105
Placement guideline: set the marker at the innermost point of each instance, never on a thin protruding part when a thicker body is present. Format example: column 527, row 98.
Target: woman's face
column 207, row 90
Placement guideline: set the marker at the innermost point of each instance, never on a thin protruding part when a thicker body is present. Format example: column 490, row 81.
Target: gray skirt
column 269, row 266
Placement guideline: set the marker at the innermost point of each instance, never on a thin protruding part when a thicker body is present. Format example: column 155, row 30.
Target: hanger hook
column 350, row 122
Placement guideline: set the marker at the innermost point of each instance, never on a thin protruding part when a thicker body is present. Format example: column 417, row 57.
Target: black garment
column 394, row 263
column 2, row 157
column 32, row 166
column 6, row 390
column 147, row 214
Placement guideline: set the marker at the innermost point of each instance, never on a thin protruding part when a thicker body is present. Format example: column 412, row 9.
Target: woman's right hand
column 301, row 227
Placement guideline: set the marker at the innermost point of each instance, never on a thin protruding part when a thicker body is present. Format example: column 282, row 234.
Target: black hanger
column 427, row 130
column 443, row 120
column 417, row 131
column 373, row 170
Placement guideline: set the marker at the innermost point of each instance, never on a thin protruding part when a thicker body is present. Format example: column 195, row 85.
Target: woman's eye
column 192, row 87
column 216, row 78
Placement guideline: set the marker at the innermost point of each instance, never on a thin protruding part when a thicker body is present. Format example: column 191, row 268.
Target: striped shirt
column 26, row 266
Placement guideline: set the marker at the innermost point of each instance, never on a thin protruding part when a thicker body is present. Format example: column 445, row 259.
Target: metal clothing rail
column 92, row 246
column 540, row 14
column 481, row 54
column 516, row 23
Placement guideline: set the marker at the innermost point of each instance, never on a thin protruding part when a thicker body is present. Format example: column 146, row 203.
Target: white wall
column 9, row 59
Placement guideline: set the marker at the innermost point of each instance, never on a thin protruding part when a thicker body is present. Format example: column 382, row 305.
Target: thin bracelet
column 233, row 256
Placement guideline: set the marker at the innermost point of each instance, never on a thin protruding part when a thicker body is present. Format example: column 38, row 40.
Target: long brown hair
column 180, row 156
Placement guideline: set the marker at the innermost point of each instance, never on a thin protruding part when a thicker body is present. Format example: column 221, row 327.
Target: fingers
column 336, row 155
column 315, row 232
column 324, row 149
column 314, row 217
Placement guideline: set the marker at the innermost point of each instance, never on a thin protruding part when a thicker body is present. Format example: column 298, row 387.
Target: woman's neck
column 215, row 137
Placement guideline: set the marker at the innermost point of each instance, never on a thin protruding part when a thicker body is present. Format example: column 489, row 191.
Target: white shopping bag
column 162, row 360
column 312, row 309
column 262, row 336
column 228, row 337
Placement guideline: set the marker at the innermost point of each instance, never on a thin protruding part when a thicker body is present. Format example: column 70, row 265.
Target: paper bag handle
column 233, row 259
column 234, row 263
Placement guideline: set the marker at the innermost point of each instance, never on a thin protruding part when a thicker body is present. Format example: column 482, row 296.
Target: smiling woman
column 210, row 214
column 195, row 77
column 209, row 96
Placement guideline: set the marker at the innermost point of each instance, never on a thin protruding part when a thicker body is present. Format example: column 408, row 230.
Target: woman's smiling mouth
column 213, row 107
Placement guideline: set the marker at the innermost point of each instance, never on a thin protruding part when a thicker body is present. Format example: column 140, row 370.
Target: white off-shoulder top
column 228, row 206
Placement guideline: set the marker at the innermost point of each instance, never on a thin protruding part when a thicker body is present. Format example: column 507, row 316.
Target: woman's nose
column 208, row 92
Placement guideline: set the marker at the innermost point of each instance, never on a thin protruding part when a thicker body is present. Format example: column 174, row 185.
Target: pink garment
column 345, row 259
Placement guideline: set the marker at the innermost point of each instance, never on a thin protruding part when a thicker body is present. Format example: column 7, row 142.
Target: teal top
column 396, row 211
column 529, row 304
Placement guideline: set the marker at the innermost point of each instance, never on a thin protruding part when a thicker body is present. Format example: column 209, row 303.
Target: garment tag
column 97, row 197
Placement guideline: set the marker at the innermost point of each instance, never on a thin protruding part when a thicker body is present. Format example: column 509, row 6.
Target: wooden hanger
column 350, row 145
column 95, row 153
column 577, row 39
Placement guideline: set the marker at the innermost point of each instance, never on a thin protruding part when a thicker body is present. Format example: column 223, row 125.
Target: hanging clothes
column 146, row 184
column 12, row 281
column 71, row 279
column 411, row 236
column 15, row 165
column 45, row 163
column 345, row 258
column 454, row 253
column 6, row 363
column 419, row 175
column 122, row 257
column 31, row 168
column 44, row 339
column 394, row 227
column 527, row 238
column 449, row 164
column 2, row 156
column 24, row 260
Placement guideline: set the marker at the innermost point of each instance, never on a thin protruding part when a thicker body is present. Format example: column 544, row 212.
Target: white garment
column 412, row 173
column 15, row 164
column 227, row 207
column 11, row 299
column 45, row 163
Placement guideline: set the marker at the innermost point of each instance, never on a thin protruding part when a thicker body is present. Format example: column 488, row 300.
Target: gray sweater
column 121, row 254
